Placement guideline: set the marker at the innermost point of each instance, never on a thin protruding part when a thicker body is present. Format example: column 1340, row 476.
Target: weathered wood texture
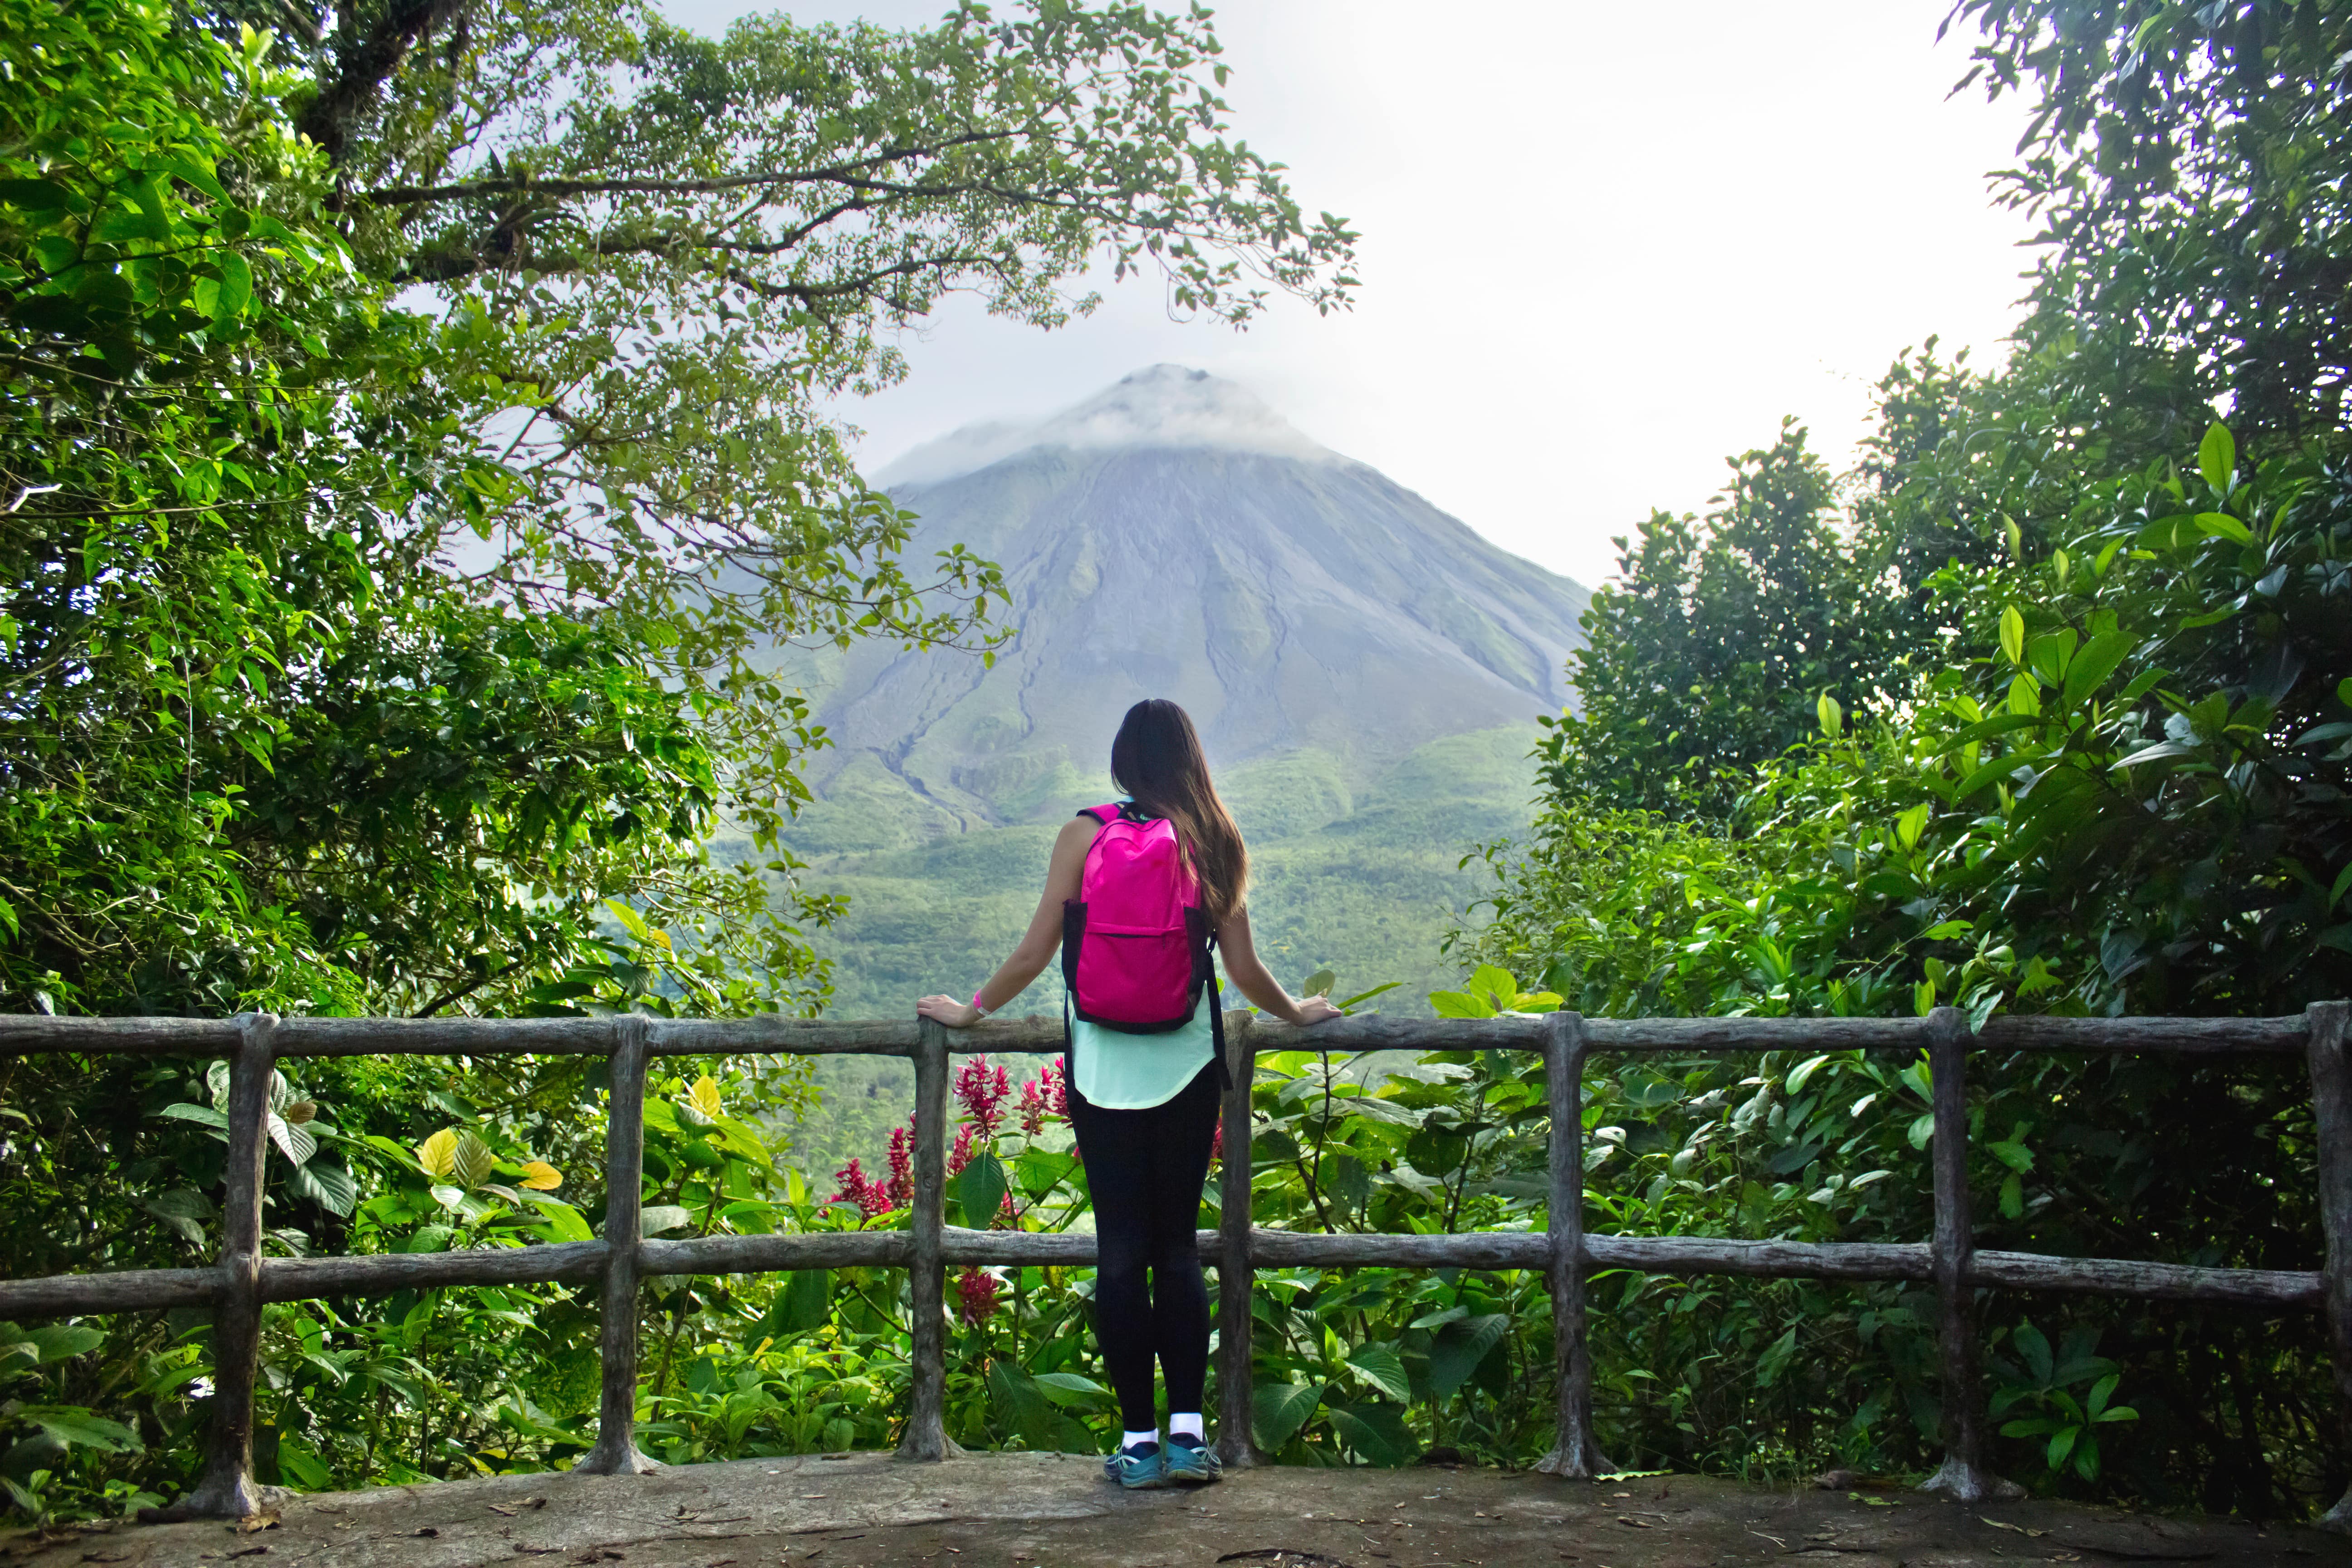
column 1038, row 1035
column 2192, row 1037
column 317, row 1279
column 24, row 1033
column 1963, row 1476
column 227, row 1488
column 616, row 1452
column 118, row 1290
column 2331, row 1095
column 1575, row 1451
column 926, row 1433
column 776, row 1254
column 1699, row 1036
column 1236, row 1276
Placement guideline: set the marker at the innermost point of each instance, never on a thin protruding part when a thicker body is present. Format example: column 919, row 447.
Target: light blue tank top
column 1136, row 1072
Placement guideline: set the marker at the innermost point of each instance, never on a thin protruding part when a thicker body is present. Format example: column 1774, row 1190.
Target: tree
column 342, row 618
column 1722, row 640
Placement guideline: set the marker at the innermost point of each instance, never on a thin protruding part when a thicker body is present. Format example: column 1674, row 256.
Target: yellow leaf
column 438, row 1154
column 541, row 1177
column 704, row 1096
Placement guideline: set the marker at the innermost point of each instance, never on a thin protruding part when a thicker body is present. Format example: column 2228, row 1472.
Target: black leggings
column 1145, row 1168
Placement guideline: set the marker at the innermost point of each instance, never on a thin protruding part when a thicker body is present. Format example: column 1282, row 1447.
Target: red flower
column 901, row 1187
column 976, row 1296
column 961, row 1155
column 858, row 1187
column 983, row 1094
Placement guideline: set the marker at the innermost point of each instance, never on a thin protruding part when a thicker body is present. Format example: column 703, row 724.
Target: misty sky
column 1603, row 245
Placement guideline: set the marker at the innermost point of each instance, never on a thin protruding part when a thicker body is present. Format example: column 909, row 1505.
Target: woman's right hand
column 955, row 1014
column 1313, row 1010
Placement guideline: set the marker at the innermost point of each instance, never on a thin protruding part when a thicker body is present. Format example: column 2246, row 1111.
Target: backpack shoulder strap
column 1106, row 814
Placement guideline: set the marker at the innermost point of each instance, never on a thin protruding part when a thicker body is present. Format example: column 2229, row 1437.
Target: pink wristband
column 975, row 1002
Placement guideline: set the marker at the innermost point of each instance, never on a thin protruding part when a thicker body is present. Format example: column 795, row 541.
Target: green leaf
column 1318, row 983
column 564, row 1223
column 1041, row 1171
column 980, row 1190
column 1831, row 715
column 1067, row 1388
column 1384, row 1370
column 294, row 1141
column 1455, row 1005
column 1910, row 824
column 660, row 1217
column 1278, row 1410
column 805, row 1302
column 2095, row 663
column 234, row 290
column 63, row 1341
column 1376, row 1432
column 332, row 1187
column 2217, row 458
column 2221, row 525
column 1458, row 1348
column 2012, row 634
column 474, row 1162
column 630, row 921
column 77, row 1427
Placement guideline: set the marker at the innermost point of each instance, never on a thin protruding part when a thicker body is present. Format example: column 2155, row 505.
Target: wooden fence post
column 616, row 1452
column 926, row 1433
column 2331, row 1099
column 229, row 1489
column 1236, row 1276
column 1963, row 1478
column 1576, row 1453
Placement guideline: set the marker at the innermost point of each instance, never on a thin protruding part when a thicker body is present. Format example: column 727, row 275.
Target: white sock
column 1187, row 1424
column 1129, row 1439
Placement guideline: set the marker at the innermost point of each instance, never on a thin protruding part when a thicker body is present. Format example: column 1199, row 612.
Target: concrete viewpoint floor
column 1025, row 1510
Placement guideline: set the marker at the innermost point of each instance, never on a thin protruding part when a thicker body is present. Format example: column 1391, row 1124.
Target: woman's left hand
column 955, row 1014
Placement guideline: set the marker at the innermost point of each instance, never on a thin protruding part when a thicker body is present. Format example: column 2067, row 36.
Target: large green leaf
column 1458, row 1348
column 77, row 1427
column 1384, row 1370
column 1278, row 1410
column 1376, row 1432
column 979, row 1189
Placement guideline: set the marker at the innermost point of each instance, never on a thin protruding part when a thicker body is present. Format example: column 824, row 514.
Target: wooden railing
column 236, row 1286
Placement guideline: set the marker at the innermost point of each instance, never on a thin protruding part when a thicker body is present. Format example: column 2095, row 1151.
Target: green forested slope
column 1367, row 885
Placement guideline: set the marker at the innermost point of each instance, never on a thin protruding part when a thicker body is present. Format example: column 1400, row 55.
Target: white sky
column 1604, row 245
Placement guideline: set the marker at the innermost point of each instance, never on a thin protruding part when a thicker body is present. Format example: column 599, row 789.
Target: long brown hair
column 1157, row 760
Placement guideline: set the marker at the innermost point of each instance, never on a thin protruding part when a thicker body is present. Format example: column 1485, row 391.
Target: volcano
column 1173, row 536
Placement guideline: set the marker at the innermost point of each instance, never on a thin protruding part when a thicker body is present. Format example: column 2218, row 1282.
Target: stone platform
column 1021, row 1511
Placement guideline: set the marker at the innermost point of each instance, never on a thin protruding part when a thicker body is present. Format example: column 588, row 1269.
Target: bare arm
column 1038, row 944
column 1252, row 979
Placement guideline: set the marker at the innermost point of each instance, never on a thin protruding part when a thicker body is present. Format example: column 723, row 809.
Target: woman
column 1144, row 1105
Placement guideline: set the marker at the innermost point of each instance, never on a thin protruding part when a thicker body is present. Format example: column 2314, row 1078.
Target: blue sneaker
column 1187, row 1461
column 1138, row 1469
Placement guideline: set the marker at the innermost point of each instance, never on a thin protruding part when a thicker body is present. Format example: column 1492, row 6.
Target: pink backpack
column 1136, row 941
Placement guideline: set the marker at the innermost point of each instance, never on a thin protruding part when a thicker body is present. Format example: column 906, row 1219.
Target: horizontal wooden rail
column 25, row 1033
column 237, row 1286
column 317, row 1279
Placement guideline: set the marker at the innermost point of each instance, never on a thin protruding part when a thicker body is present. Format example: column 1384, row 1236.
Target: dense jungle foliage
column 370, row 658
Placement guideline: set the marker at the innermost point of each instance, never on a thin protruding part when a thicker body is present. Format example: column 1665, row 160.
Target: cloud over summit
column 1166, row 405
